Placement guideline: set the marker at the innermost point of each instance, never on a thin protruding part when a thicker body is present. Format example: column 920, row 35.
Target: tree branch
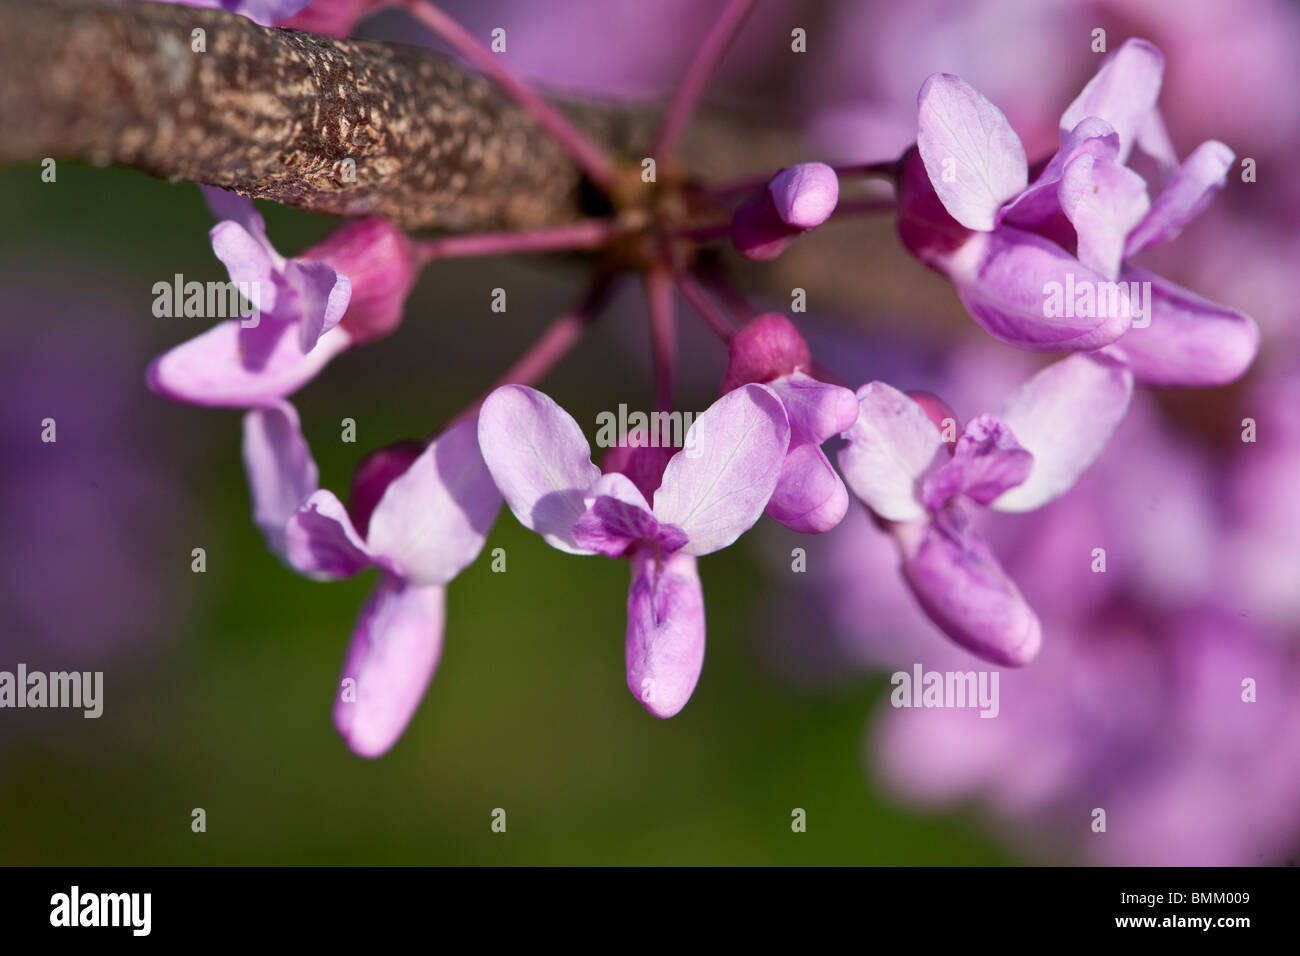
column 274, row 114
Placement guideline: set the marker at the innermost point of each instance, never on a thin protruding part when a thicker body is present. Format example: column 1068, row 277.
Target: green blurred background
column 219, row 697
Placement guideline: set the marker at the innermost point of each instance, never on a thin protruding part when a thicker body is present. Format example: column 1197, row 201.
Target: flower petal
column 1104, row 201
column 394, row 652
column 959, row 583
column 1190, row 190
column 1064, row 416
column 539, row 460
column 665, row 631
column 1153, row 139
column 891, row 445
column 988, row 461
column 1092, row 137
column 817, row 411
column 717, row 487
column 972, row 155
column 208, row 370
column 1010, row 281
column 810, row 497
column 433, row 518
column 229, row 206
column 618, row 516
column 321, row 298
column 281, row 472
column 1189, row 341
column 1123, row 93
column 321, row 542
column 251, row 267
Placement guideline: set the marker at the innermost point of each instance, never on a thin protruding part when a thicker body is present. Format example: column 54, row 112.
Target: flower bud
column 641, row 462
column 797, row 199
column 379, row 260
column 768, row 347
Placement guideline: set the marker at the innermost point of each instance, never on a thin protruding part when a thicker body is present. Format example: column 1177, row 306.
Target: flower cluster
column 1015, row 247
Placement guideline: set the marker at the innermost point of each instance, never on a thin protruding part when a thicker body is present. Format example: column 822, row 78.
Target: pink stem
column 699, row 301
column 551, row 346
column 588, row 234
column 593, row 160
column 688, row 93
column 663, row 333
column 862, row 207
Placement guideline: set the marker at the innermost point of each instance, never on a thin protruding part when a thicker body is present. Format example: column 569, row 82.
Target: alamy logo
column 946, row 689
column 102, row 909
column 1086, row 299
column 207, row 300
column 656, row 430
column 75, row 689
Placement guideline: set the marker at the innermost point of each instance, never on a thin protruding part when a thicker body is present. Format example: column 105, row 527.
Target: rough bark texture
column 274, row 114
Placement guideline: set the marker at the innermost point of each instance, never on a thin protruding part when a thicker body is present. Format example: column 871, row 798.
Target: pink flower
column 349, row 289
column 809, row 497
column 428, row 524
column 969, row 211
column 898, row 463
column 704, row 497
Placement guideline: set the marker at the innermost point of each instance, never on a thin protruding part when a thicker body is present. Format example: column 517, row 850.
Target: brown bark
column 274, row 114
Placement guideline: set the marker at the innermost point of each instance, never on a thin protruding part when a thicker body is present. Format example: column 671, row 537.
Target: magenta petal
column 959, row 583
column 322, row 296
column 1190, row 341
column 433, row 518
column 1064, row 416
column 1092, row 137
column 891, row 445
column 972, row 155
column 817, row 411
column 1190, row 190
column 249, row 263
column 1104, row 201
column 618, row 516
column 719, row 484
column 539, row 460
column 987, row 462
column 1123, row 93
column 805, row 194
column 665, row 631
column 207, row 370
column 1006, row 279
column 394, row 652
column 321, row 542
column 810, row 497
column 281, row 472
column 229, row 206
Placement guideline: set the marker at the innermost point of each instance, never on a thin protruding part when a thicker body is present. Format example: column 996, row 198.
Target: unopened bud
column 768, row 347
column 797, row 199
column 379, row 260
